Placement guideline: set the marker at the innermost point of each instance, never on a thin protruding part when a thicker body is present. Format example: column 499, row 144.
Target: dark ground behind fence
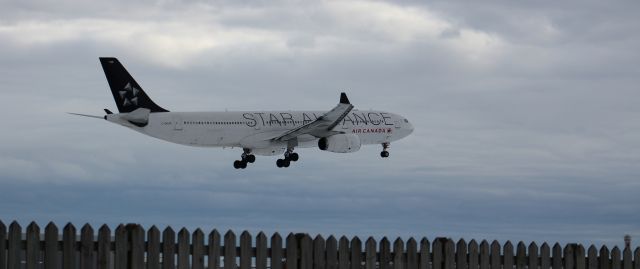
column 131, row 246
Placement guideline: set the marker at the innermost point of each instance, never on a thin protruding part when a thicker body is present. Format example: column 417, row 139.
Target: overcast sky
column 526, row 115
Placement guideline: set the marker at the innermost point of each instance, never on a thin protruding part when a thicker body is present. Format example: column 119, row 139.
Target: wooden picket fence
column 131, row 247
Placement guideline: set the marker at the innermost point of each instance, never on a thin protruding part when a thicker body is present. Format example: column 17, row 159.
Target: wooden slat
column 627, row 259
column 398, row 251
column 474, row 262
column 603, row 260
column 276, row 251
column 370, row 254
column 230, row 250
column 636, row 258
column 592, row 257
column 461, row 255
column 580, row 261
column 385, row 254
column 508, row 255
column 245, row 250
column 69, row 247
column 332, row 253
column 521, row 255
column 104, row 248
column 197, row 257
column 3, row 247
column 14, row 249
column 496, row 262
column 545, row 256
column 183, row 248
column 533, row 256
column 319, row 253
column 343, row 253
column 214, row 250
column 168, row 248
column 306, row 251
column 356, row 253
column 86, row 247
column 569, row 255
column 153, row 249
column 484, row 255
column 449, row 254
column 121, row 259
column 412, row 254
column 425, row 254
column 136, row 234
column 291, row 262
column 50, row 246
column 438, row 251
column 261, row 251
column 33, row 246
column 615, row 258
column 556, row 260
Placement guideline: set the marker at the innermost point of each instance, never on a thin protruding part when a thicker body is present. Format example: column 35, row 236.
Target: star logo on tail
column 129, row 95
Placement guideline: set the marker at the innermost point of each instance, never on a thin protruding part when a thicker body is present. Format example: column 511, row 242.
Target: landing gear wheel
column 243, row 164
column 294, row 157
column 286, row 163
column 251, row 158
column 280, row 163
column 384, row 154
column 236, row 164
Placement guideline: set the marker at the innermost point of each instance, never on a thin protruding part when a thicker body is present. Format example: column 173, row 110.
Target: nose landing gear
column 385, row 153
column 289, row 156
column 247, row 158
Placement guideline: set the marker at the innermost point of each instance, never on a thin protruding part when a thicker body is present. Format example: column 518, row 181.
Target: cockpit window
column 406, row 121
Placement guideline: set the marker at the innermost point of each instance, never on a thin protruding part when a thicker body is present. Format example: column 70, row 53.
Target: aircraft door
column 177, row 123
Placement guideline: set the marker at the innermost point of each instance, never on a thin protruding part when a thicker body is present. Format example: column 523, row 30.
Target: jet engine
column 340, row 143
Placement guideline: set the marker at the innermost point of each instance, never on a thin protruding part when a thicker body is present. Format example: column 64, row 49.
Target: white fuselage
column 255, row 129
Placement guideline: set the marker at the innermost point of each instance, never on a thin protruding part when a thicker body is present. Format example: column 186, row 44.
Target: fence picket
column 569, row 255
column 153, row 249
column 306, row 252
column 425, row 254
column 592, row 257
column 121, row 247
column 319, row 253
column 370, row 254
column 291, row 261
column 276, row 251
column 69, row 247
column 33, row 246
column 343, row 253
column 245, row 250
column 332, row 253
column 214, row 250
column 136, row 234
column 508, row 255
column 615, row 258
column 484, row 255
column 104, row 248
column 533, row 256
column 412, row 254
column 384, row 258
column 603, row 260
column 473, row 255
column 636, row 258
column 627, row 262
column 261, row 251
column 579, row 257
column 86, row 247
column 449, row 254
column 168, row 248
column 521, row 255
column 183, row 249
column 3, row 239
column 438, row 250
column 398, row 254
column 13, row 251
column 50, row 247
column 556, row 260
column 461, row 255
column 229, row 250
column 496, row 262
column 545, row 256
column 356, row 253
column 197, row 257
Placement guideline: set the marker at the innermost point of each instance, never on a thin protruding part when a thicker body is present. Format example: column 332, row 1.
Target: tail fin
column 127, row 93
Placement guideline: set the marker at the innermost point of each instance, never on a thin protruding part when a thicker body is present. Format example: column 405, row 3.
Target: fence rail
column 129, row 246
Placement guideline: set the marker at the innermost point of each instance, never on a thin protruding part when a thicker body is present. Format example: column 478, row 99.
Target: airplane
column 342, row 129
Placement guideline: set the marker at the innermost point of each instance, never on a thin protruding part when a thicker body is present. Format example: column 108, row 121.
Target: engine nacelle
column 340, row 143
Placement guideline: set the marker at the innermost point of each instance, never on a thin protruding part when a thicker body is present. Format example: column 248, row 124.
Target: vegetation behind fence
column 130, row 246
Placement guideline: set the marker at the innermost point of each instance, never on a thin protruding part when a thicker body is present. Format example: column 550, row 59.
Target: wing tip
column 344, row 99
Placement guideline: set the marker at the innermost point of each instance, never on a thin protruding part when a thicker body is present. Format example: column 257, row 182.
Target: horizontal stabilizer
column 85, row 115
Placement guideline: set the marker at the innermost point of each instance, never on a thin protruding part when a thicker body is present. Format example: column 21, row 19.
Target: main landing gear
column 385, row 153
column 289, row 156
column 247, row 158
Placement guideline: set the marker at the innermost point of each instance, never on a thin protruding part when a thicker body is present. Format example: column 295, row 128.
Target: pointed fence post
column 319, row 253
column 356, row 253
column 230, row 250
column 508, row 255
column 183, row 248
column 104, row 248
column 556, row 260
column 533, row 256
column 332, row 253
column 69, row 247
column 592, row 257
column 276, row 251
column 292, row 252
column 385, row 254
column 3, row 247
column 461, row 255
column 412, row 254
column 214, row 250
column 484, row 255
column 370, row 254
column 306, row 251
column 50, row 246
column 122, row 247
column 86, row 247
column 569, row 256
column 398, row 254
column 343, row 253
column 521, row 255
column 32, row 256
column 153, row 249
column 603, row 260
column 168, row 248
column 438, row 251
column 496, row 262
column 425, row 254
column 579, row 259
column 473, row 255
column 627, row 262
column 245, row 250
column 261, row 251
column 136, row 243
column 636, row 258
column 197, row 257
column 545, row 256
column 615, row 258
column 14, row 250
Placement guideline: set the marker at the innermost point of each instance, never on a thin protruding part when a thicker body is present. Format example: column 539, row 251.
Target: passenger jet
column 342, row 129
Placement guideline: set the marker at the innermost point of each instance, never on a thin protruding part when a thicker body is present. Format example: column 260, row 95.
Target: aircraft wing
column 324, row 125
